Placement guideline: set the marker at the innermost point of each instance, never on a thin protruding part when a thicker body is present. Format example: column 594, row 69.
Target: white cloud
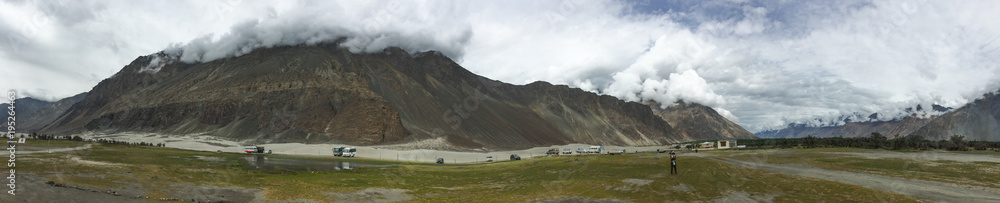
column 760, row 63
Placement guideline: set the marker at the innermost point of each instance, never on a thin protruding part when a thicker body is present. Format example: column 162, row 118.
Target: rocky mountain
column 856, row 129
column 979, row 120
column 22, row 108
column 323, row 94
column 694, row 121
column 49, row 113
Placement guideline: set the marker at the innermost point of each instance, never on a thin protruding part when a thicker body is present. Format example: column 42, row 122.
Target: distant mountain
column 49, row 113
column 22, row 108
column 325, row 94
column 979, row 120
column 858, row 129
column 694, row 121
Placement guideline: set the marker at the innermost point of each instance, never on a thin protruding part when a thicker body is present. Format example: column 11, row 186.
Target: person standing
column 673, row 162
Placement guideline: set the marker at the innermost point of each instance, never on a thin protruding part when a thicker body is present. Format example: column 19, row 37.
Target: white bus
column 595, row 149
column 349, row 152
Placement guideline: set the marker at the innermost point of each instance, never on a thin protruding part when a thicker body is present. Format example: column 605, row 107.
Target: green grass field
column 638, row 177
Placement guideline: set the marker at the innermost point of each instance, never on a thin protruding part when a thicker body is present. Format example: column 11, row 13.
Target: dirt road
column 929, row 190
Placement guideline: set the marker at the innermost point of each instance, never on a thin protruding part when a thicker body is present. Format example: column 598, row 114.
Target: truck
column 253, row 149
column 617, row 152
column 338, row 151
column 349, row 152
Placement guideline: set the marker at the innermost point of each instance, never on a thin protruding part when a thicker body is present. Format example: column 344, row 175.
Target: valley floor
column 90, row 172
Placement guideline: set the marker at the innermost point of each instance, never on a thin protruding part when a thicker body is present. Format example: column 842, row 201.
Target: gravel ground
column 929, row 190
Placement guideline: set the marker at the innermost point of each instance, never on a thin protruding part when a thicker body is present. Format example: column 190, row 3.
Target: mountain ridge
column 324, row 94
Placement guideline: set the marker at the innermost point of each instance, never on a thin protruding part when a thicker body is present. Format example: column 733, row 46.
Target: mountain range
column 979, row 120
column 326, row 94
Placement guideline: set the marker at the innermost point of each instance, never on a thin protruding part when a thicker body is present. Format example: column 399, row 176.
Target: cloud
column 763, row 64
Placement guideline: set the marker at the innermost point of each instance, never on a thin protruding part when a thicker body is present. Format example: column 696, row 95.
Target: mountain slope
column 49, row 113
column 979, row 120
column 22, row 108
column 696, row 122
column 321, row 94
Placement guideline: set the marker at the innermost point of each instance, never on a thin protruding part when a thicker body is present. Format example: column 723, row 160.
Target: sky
column 761, row 64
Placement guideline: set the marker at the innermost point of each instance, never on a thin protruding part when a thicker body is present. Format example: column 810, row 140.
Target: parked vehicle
column 581, row 150
column 349, row 152
column 338, row 151
column 595, row 149
column 514, row 157
column 440, row 161
column 253, row 149
column 267, row 152
column 661, row 150
column 567, row 151
column 552, row 152
column 489, row 159
column 617, row 152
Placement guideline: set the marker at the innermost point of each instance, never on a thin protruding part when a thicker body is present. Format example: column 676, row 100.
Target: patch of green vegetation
column 638, row 178
column 52, row 143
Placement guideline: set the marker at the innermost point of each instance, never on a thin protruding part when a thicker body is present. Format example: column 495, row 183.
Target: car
column 567, row 151
column 661, row 150
column 514, row 157
column 581, row 150
column 440, row 161
column 617, row 152
column 552, row 152
column 489, row 159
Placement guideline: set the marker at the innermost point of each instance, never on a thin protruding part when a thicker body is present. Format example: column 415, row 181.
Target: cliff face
column 321, row 94
column 698, row 122
column 979, row 120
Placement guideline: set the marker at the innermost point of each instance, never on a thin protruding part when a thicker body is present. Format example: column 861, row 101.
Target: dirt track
column 925, row 156
column 929, row 190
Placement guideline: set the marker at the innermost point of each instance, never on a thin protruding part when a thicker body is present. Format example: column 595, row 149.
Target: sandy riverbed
column 401, row 152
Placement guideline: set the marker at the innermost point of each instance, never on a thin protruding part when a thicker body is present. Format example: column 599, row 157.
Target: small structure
column 725, row 144
column 707, row 145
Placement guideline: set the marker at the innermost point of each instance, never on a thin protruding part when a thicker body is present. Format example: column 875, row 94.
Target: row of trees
column 875, row 141
column 77, row 138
